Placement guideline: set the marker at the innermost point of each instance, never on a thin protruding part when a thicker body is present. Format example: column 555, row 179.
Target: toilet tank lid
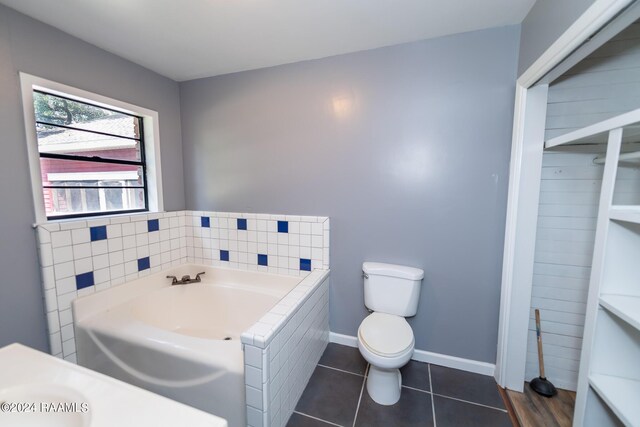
column 392, row 270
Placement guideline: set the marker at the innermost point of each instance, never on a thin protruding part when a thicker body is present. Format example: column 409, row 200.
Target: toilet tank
column 392, row 289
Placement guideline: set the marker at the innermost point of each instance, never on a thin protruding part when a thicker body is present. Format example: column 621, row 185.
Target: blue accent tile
column 242, row 224
column 224, row 255
column 84, row 280
column 98, row 233
column 143, row 263
column 262, row 259
column 205, row 221
column 153, row 225
column 305, row 264
column 283, row 226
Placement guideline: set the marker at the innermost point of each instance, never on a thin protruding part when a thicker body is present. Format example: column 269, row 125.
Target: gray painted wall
column 547, row 20
column 33, row 47
column 406, row 148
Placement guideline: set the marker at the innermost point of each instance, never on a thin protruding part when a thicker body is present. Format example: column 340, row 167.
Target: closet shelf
column 625, row 307
column 598, row 133
column 620, row 394
column 630, row 213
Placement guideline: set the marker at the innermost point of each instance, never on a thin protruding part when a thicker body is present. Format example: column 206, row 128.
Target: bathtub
column 198, row 343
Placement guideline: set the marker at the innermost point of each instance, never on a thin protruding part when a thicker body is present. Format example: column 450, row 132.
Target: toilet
column 385, row 339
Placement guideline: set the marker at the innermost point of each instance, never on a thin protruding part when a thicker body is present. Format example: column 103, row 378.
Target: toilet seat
column 386, row 335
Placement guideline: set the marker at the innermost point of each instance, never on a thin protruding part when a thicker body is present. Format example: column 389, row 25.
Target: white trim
column 151, row 128
column 525, row 192
column 621, row 22
column 454, row 362
column 594, row 18
column 469, row 365
column 341, row 339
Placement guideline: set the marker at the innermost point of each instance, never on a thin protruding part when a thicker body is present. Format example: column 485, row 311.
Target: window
column 89, row 157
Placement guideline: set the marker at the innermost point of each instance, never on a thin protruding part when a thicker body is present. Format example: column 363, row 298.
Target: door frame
column 524, row 183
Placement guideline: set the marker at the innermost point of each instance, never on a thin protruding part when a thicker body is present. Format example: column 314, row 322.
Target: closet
column 609, row 374
column 586, row 272
column 603, row 85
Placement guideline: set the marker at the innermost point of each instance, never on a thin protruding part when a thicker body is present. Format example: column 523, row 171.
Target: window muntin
column 92, row 159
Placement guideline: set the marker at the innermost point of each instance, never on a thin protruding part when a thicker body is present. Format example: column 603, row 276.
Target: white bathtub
column 183, row 341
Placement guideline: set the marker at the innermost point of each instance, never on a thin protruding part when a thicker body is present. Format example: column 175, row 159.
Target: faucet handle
column 174, row 281
column 198, row 276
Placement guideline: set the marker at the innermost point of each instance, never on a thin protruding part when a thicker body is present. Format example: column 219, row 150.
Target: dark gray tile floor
column 431, row 396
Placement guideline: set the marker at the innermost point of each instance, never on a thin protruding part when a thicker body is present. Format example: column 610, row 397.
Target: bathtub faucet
column 185, row 280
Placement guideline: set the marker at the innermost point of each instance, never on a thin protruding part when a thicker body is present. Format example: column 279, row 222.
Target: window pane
column 57, row 140
column 60, row 111
column 74, row 173
column 69, row 201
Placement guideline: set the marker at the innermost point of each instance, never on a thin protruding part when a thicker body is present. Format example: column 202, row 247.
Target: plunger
column 541, row 385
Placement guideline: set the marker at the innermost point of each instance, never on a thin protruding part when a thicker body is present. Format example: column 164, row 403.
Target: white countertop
column 59, row 393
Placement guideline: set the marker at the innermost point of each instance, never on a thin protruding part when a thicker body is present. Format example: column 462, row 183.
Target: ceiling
column 188, row 39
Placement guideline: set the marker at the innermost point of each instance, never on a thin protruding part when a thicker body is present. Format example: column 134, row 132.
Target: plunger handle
column 539, row 335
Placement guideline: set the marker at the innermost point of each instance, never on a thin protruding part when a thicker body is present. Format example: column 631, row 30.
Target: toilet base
column 384, row 385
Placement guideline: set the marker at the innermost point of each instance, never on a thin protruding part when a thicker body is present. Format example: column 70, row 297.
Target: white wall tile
column 114, row 230
column 48, row 277
column 116, row 258
column 99, row 247
column 66, row 285
column 82, row 250
column 43, row 235
column 66, row 317
column 253, row 356
column 64, row 301
column 130, row 254
column 56, row 343
column 63, row 270
column 60, row 238
column 128, row 229
column 142, row 239
column 254, row 397
column 305, row 228
column 46, row 255
column 62, row 254
column 83, row 265
column 116, row 272
column 101, row 261
column 102, row 275
column 50, row 300
column 80, row 235
column 180, row 239
column 71, row 224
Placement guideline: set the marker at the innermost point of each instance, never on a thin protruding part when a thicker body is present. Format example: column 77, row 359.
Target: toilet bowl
column 385, row 339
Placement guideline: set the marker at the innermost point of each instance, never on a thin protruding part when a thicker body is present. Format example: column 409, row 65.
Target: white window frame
column 29, row 83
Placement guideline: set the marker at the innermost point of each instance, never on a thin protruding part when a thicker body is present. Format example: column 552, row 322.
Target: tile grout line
column 416, row 389
column 340, row 370
column 433, row 405
column 454, row 398
column 470, row 402
column 364, row 381
column 316, row 418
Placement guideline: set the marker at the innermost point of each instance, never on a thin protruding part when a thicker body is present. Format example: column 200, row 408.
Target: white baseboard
column 454, row 362
column 347, row 340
